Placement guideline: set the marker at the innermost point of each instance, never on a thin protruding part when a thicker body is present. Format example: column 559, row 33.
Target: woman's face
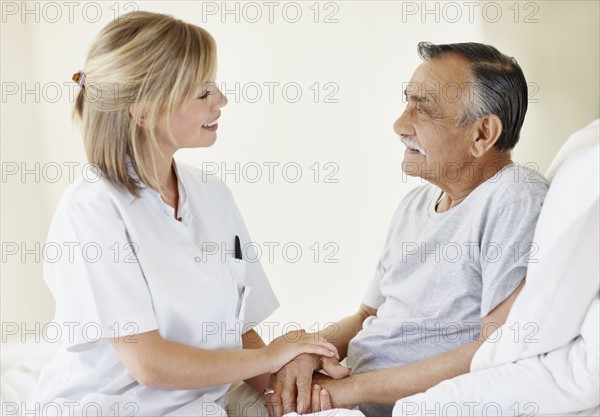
column 194, row 123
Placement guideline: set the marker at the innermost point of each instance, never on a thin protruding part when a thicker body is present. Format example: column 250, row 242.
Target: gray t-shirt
column 440, row 273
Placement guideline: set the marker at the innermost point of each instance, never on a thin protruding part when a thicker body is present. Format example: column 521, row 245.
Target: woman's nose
column 222, row 98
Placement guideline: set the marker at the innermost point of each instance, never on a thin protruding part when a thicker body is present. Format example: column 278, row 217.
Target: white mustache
column 410, row 143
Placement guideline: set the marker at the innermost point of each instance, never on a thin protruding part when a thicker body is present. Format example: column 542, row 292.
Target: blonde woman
column 158, row 309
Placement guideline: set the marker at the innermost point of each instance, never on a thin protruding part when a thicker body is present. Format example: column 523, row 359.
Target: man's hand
column 386, row 386
column 293, row 383
column 295, row 377
column 328, row 393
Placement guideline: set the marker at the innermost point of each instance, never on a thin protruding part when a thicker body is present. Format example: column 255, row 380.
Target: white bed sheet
column 20, row 367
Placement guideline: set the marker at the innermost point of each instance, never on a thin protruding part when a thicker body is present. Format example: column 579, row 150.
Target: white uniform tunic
column 128, row 266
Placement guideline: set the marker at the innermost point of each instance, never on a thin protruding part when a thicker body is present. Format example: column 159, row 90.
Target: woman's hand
column 285, row 348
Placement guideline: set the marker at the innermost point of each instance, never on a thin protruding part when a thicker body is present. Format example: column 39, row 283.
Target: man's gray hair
column 499, row 86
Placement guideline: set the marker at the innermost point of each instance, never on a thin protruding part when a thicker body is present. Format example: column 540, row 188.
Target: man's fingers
column 270, row 409
column 276, row 406
column 268, row 400
column 325, row 400
column 288, row 397
column 334, row 369
column 293, row 381
column 274, row 400
column 303, row 386
column 315, row 399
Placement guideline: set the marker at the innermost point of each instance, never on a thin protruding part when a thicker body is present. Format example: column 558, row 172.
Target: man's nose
column 403, row 125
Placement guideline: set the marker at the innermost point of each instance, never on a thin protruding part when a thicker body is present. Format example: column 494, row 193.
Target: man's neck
column 471, row 176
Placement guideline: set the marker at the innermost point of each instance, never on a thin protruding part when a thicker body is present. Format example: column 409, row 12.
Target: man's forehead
column 435, row 76
column 421, row 92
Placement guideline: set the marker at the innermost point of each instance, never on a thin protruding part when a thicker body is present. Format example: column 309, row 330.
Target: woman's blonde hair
column 153, row 60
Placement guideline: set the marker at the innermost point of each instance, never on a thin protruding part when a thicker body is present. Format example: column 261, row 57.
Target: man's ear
column 487, row 131
column 138, row 115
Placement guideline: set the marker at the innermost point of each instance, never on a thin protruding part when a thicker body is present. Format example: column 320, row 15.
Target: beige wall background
column 358, row 52
column 559, row 54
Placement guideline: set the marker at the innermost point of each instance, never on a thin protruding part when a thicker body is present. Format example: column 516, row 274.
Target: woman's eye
column 203, row 96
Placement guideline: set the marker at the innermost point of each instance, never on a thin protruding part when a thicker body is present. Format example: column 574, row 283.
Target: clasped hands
column 298, row 388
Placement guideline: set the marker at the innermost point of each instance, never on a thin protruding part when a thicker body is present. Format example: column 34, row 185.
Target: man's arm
column 292, row 384
column 344, row 330
column 386, row 386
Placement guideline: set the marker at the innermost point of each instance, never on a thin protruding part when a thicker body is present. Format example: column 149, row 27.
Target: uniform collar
column 183, row 206
column 181, row 187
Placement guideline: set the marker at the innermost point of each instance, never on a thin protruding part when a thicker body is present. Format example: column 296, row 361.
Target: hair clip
column 79, row 78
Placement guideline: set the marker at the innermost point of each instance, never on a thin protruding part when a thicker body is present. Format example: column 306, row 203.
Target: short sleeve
column 99, row 292
column 373, row 297
column 507, row 248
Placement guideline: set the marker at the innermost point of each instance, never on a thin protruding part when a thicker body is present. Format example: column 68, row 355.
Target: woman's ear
column 138, row 115
column 488, row 131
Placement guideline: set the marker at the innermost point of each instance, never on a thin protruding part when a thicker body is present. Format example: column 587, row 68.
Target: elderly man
column 458, row 247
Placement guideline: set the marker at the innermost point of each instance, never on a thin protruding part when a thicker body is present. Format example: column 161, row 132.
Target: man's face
column 436, row 98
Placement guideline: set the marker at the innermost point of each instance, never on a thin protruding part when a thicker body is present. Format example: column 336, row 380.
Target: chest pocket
column 238, row 269
column 202, row 303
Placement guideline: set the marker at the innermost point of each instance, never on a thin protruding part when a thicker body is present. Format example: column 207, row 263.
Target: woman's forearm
column 252, row 340
column 178, row 366
column 161, row 363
